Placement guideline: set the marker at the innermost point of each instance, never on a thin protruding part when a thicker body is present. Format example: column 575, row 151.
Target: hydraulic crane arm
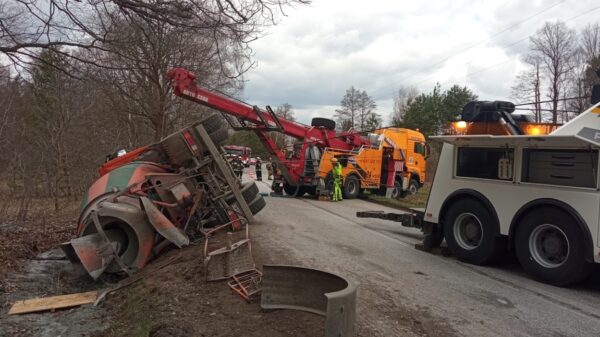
column 261, row 122
column 183, row 82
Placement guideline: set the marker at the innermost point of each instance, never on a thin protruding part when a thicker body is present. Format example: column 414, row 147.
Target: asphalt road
column 407, row 292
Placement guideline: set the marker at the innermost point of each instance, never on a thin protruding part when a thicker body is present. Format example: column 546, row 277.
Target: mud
column 50, row 274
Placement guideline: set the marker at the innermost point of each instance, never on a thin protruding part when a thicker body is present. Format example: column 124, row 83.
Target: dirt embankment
column 176, row 301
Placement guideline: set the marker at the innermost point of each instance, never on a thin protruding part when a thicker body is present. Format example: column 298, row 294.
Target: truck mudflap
column 311, row 290
column 414, row 220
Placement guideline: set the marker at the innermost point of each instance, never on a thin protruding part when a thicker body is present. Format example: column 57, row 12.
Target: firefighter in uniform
column 258, row 169
column 238, row 166
column 337, row 179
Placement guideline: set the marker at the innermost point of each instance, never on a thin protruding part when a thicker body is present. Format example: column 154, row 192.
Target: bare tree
column 555, row 45
column 590, row 41
column 29, row 25
column 347, row 115
column 528, row 86
column 136, row 84
column 284, row 111
column 367, row 117
column 590, row 49
column 404, row 97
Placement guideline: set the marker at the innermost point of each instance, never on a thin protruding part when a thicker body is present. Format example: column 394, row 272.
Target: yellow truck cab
column 393, row 165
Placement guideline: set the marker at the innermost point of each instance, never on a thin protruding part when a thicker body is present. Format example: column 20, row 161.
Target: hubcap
column 549, row 246
column 468, row 231
column 352, row 187
column 412, row 189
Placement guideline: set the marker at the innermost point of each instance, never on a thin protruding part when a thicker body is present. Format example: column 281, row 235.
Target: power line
column 509, row 45
column 482, row 41
column 546, row 110
column 551, row 100
column 586, row 12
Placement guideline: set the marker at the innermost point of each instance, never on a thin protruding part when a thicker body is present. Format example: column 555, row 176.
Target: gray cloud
column 317, row 52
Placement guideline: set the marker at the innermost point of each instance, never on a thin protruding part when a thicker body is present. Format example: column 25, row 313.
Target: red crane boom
column 253, row 118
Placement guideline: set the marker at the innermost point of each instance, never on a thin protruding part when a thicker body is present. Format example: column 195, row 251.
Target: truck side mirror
column 427, row 150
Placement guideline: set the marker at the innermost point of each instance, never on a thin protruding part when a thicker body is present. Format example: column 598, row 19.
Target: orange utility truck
column 392, row 165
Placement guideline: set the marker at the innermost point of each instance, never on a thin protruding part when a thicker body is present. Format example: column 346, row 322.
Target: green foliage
column 249, row 139
column 431, row 112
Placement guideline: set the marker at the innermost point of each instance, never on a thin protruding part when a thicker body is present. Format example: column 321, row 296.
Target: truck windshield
column 235, row 152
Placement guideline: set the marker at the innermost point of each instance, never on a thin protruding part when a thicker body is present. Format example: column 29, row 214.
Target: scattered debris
column 52, row 303
column 132, row 279
column 247, row 284
column 230, row 258
column 319, row 292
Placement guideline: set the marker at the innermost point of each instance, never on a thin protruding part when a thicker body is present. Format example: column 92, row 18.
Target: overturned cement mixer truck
column 160, row 195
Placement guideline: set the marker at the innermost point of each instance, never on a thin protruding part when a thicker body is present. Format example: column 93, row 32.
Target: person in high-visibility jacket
column 337, row 179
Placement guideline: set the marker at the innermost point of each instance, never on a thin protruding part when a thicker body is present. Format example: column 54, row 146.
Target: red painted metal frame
column 183, row 83
column 122, row 160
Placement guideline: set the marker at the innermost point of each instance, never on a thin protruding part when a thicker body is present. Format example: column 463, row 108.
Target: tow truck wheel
column 397, row 191
column 471, row 232
column 551, row 248
column 351, row 187
column 413, row 187
column 291, row 190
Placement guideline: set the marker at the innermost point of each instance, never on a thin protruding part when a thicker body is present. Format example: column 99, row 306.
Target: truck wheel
column 291, row 190
column 413, row 187
column 249, row 190
column 397, row 191
column 257, row 204
column 351, row 187
column 219, row 136
column 551, row 248
column 323, row 122
column 471, row 232
column 211, row 123
column 311, row 190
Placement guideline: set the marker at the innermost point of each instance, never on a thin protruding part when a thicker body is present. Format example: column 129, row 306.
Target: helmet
column 334, row 160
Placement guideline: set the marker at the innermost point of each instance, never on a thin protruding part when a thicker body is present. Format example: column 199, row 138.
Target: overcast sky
column 317, row 52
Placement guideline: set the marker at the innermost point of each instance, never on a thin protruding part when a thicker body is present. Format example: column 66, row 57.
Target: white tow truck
column 534, row 196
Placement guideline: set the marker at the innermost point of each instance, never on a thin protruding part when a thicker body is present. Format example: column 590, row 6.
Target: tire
column 551, row 247
column 326, row 123
column 351, row 187
column 397, row 192
column 249, row 190
column 413, row 188
column 471, row 232
column 291, row 190
column 211, row 123
column 311, row 190
column 219, row 136
column 257, row 204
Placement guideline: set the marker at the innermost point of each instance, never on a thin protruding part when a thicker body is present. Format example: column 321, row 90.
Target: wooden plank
column 53, row 302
